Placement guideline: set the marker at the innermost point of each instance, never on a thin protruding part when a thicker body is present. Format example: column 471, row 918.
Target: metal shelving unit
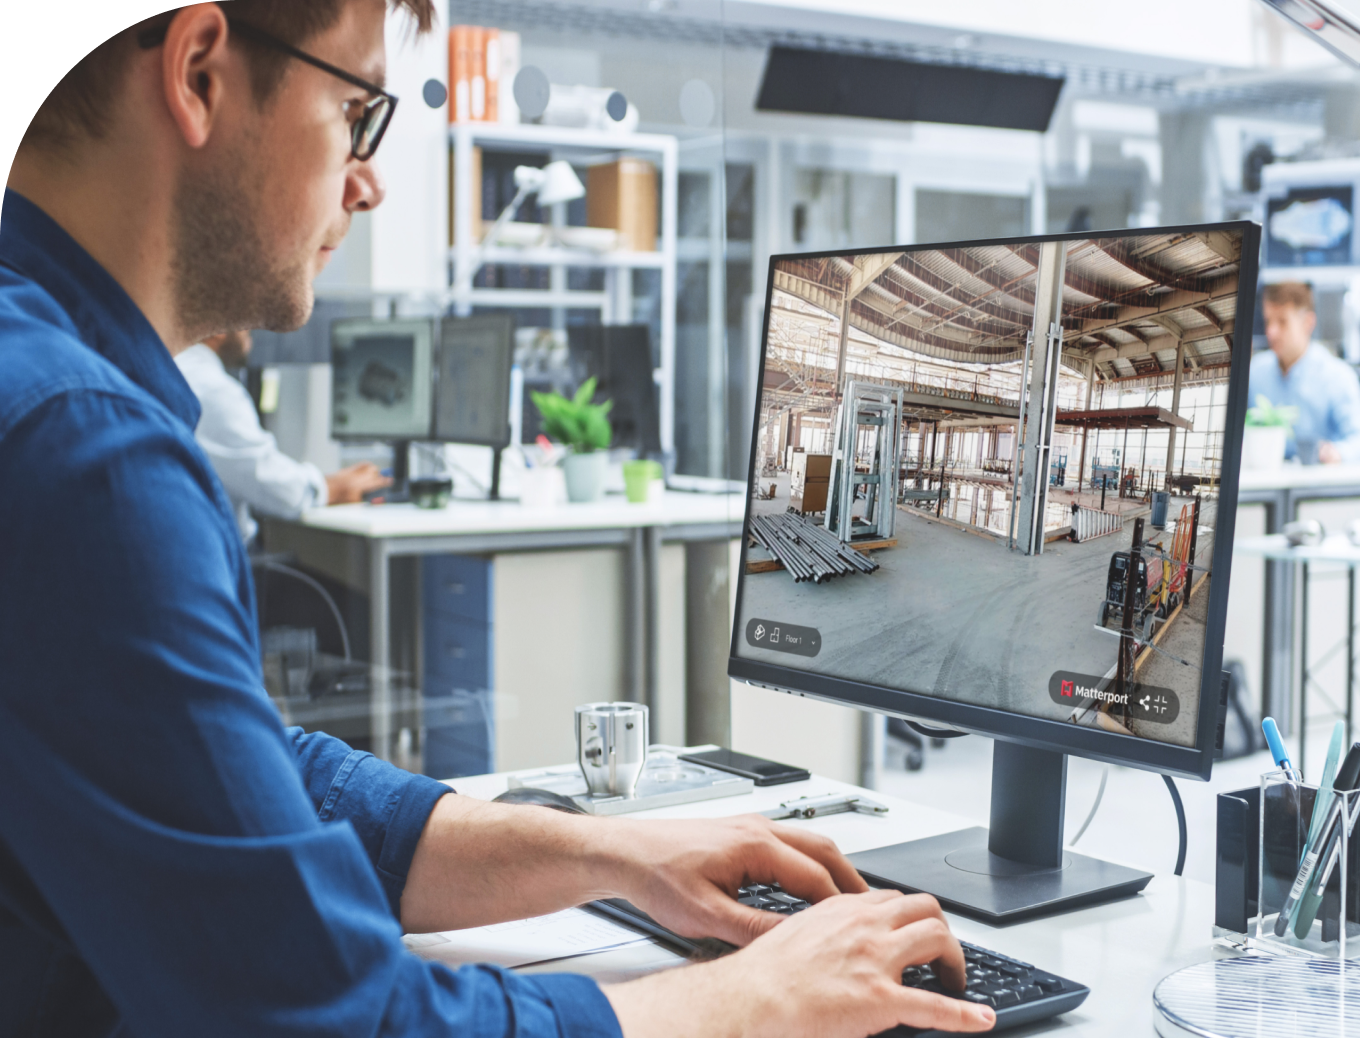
column 615, row 303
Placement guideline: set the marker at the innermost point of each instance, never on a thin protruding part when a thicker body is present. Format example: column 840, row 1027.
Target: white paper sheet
column 541, row 939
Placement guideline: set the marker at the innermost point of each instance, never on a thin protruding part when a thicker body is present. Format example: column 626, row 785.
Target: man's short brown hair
column 1289, row 293
column 81, row 105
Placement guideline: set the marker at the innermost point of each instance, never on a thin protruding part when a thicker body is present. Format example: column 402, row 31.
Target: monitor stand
column 1019, row 867
column 399, row 493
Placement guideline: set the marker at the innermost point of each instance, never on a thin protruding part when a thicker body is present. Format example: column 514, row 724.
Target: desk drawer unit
column 459, row 731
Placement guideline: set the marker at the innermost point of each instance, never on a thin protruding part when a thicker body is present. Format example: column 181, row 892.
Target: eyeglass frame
column 149, row 39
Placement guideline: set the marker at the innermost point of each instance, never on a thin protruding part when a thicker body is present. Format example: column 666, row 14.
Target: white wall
column 410, row 229
column 1217, row 32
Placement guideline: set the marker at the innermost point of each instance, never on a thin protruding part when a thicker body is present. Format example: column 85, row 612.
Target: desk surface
column 482, row 517
column 1120, row 950
column 1299, row 477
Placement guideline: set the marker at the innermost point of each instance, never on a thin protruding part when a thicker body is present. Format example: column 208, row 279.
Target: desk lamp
column 555, row 182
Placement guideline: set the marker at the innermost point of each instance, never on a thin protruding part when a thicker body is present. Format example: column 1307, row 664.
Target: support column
column 1042, row 385
column 1090, row 387
column 842, row 345
column 1175, row 410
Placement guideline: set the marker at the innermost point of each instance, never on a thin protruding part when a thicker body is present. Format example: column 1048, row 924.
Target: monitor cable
column 935, row 733
column 1090, row 815
column 315, row 585
column 1180, row 821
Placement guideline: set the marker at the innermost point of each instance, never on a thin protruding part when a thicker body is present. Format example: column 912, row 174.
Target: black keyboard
column 1020, row 993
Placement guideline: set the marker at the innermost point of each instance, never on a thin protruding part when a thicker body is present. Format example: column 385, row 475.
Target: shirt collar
column 107, row 320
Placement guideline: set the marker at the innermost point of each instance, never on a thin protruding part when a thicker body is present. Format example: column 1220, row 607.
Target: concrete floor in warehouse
column 1136, row 822
column 957, row 615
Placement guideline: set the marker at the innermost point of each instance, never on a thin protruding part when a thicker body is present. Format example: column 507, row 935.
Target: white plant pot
column 542, row 487
column 586, row 476
column 1263, row 446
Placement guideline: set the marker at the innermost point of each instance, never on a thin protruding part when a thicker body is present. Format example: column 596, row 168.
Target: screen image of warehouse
column 990, row 473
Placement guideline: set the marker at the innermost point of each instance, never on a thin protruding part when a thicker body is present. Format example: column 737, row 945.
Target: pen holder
column 1308, row 898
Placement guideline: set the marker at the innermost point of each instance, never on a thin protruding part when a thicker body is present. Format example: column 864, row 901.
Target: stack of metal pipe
column 807, row 550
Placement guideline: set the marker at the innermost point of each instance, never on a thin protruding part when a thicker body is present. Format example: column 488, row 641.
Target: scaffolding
column 866, row 454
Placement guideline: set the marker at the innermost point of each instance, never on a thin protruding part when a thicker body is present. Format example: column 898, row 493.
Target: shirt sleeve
column 165, row 823
column 246, row 457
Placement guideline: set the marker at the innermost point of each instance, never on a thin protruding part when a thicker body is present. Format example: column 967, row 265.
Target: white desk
column 1120, row 950
column 485, row 527
column 1338, row 550
column 1281, row 491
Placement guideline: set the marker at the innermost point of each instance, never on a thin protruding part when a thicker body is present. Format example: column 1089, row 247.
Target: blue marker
column 1277, row 749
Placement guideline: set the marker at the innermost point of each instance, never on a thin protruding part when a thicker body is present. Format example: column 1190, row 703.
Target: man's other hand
column 1328, row 453
column 349, row 486
column 685, row 874
column 833, row 971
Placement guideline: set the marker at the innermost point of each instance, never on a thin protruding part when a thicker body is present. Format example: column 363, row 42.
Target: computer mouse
column 539, row 798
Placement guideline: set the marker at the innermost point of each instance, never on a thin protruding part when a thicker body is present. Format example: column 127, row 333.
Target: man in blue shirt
column 172, row 860
column 1300, row 373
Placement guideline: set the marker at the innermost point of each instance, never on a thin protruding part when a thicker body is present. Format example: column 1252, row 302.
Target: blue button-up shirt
column 1326, row 392
column 172, row 860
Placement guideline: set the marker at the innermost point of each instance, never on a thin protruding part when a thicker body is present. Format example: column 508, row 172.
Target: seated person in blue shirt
column 1298, row 372
column 173, row 861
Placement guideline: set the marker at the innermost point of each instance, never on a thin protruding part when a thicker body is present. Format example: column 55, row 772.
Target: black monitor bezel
column 1041, row 733
column 349, row 437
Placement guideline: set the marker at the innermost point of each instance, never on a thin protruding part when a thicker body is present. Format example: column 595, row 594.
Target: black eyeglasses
column 375, row 116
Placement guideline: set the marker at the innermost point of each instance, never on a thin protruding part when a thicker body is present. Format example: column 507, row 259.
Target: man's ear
column 193, row 64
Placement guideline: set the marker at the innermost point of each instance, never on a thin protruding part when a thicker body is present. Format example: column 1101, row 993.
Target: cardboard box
column 477, row 225
column 807, row 467
column 622, row 196
column 811, row 497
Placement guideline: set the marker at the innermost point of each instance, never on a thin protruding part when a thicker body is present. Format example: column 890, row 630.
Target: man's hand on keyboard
column 833, row 970
column 686, row 874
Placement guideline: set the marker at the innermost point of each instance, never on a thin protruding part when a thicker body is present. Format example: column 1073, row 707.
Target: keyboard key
column 1047, row 983
column 1013, row 971
column 981, row 998
column 1029, row 992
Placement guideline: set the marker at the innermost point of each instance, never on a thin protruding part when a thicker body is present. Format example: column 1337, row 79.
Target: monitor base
column 965, row 877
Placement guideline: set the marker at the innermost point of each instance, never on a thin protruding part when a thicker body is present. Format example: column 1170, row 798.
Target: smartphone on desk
column 759, row 770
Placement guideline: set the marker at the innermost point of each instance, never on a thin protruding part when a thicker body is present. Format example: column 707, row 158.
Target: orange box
column 622, row 195
column 477, row 228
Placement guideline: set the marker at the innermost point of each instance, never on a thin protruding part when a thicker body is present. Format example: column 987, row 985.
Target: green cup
column 638, row 477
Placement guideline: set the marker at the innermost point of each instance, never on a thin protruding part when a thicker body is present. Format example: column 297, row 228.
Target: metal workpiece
column 807, row 550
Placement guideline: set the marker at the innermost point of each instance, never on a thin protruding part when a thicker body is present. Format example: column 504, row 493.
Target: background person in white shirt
column 257, row 475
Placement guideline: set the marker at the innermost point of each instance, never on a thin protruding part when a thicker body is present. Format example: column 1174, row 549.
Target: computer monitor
column 997, row 601
column 382, row 379
column 472, row 395
column 620, row 357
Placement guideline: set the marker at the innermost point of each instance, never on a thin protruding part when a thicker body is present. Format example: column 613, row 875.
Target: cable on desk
column 935, row 733
column 288, row 571
column 1090, row 816
column 1180, row 821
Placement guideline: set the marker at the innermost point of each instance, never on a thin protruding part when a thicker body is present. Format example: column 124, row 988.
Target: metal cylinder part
column 611, row 746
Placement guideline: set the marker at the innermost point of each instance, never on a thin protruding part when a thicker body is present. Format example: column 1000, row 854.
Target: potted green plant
column 1266, row 434
column 584, row 427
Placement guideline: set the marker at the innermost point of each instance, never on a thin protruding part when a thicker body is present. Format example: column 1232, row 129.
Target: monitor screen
column 1310, row 227
column 951, row 490
column 620, row 357
column 472, row 402
column 381, row 379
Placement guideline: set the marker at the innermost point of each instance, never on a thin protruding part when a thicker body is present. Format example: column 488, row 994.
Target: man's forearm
column 480, row 863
